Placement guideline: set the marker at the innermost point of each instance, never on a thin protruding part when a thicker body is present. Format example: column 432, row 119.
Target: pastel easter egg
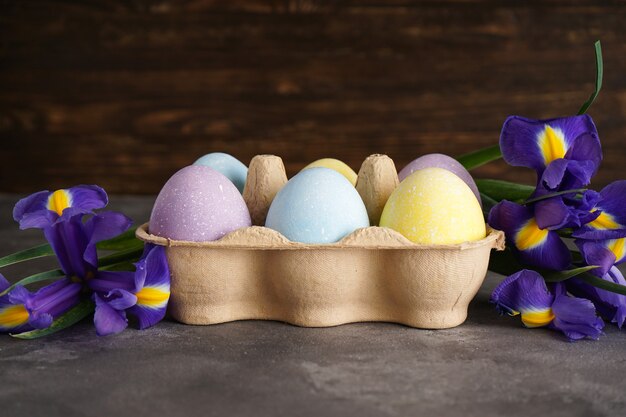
column 198, row 204
column 227, row 165
column 433, row 206
column 336, row 165
column 438, row 160
column 318, row 205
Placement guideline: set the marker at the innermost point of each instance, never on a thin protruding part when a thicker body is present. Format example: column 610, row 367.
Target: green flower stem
column 71, row 317
column 488, row 204
column 122, row 256
column 603, row 284
column 110, row 262
column 556, row 194
column 499, row 190
column 53, row 274
column 480, row 157
column 599, row 76
column 125, row 241
column 559, row 276
column 26, row 254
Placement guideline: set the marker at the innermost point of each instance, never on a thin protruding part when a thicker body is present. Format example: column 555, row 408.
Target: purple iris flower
column 60, row 215
column 525, row 293
column 534, row 246
column 143, row 294
column 610, row 305
column 46, row 208
column 565, row 152
column 565, row 211
column 603, row 240
column 21, row 310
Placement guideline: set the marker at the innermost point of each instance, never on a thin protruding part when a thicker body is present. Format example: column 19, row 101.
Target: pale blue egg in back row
column 318, row 205
column 227, row 165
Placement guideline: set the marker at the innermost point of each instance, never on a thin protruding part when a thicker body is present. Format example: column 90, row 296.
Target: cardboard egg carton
column 373, row 274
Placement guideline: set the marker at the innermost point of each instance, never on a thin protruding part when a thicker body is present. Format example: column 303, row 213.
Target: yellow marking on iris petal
column 59, row 201
column 552, row 144
column 13, row 316
column 530, row 236
column 618, row 248
column 153, row 297
column 537, row 318
column 605, row 221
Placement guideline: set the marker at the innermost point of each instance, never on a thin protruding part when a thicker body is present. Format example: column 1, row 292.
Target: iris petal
column 576, row 318
column 565, row 174
column 31, row 211
column 54, row 299
column 59, row 201
column 537, row 143
column 610, row 305
column 147, row 317
column 46, row 208
column 69, row 240
column 103, row 226
column 152, row 282
column 597, row 253
column 12, row 316
column 586, row 147
column 107, row 319
column 534, row 246
column 107, row 281
column 154, row 271
column 610, row 219
column 121, row 299
column 40, row 320
column 88, row 197
column 4, row 284
column 554, row 214
column 525, row 293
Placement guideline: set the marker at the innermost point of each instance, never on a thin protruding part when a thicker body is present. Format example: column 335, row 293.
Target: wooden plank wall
column 123, row 93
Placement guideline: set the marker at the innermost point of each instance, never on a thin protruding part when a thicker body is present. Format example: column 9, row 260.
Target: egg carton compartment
column 373, row 274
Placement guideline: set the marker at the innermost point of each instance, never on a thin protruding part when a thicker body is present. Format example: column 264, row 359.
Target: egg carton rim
column 369, row 238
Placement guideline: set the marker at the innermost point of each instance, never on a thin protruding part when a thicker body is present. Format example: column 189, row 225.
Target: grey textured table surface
column 487, row 366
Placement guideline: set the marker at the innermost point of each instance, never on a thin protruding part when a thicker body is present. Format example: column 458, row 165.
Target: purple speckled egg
column 438, row 160
column 198, row 204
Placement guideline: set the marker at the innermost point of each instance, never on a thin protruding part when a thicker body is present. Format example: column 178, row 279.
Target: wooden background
column 124, row 93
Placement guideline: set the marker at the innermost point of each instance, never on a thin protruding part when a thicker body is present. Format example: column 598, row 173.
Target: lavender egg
column 438, row 160
column 198, row 204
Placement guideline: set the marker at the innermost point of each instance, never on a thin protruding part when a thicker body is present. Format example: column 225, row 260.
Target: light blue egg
column 227, row 165
column 318, row 205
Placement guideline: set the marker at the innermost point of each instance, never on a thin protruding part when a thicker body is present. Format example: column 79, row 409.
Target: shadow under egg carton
column 373, row 274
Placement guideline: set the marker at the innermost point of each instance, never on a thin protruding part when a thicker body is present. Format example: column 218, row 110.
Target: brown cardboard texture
column 373, row 274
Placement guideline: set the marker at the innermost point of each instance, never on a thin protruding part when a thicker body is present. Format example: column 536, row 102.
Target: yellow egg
column 434, row 206
column 337, row 165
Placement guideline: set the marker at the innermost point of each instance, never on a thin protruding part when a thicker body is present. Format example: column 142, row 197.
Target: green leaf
column 488, row 204
column 603, row 284
column 577, row 257
column 121, row 266
column 41, row 276
column 599, row 76
column 73, row 316
column 558, row 276
column 124, row 241
column 115, row 261
column 550, row 195
column 128, row 255
column 504, row 190
column 27, row 254
column 480, row 157
column 504, row 263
